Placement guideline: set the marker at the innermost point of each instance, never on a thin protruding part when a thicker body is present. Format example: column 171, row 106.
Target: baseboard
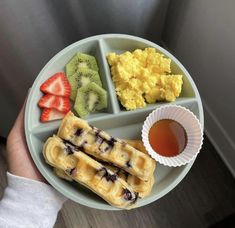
column 219, row 138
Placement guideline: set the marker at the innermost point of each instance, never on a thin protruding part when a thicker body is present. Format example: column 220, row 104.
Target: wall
column 202, row 35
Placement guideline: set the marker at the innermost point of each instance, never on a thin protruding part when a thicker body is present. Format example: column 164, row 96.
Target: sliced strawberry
column 62, row 104
column 58, row 85
column 49, row 114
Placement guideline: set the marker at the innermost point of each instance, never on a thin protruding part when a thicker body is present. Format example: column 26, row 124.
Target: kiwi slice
column 81, row 78
column 89, row 99
column 79, row 61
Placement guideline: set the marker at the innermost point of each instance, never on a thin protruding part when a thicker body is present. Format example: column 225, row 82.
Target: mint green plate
column 115, row 120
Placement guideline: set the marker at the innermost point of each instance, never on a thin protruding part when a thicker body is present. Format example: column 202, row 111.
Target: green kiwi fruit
column 81, row 78
column 89, row 99
column 79, row 61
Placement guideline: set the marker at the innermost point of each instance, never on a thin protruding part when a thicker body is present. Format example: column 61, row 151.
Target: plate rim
column 40, row 167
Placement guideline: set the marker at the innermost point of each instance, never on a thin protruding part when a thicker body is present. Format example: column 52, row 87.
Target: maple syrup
column 167, row 137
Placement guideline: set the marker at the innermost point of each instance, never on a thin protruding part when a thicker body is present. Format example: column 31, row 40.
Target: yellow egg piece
column 143, row 76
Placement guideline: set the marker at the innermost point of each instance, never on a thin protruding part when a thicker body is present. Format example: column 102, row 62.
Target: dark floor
column 205, row 198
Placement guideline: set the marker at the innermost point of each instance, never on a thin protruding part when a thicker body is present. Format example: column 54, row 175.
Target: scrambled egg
column 143, row 76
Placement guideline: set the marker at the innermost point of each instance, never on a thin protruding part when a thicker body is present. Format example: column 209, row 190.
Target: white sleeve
column 29, row 203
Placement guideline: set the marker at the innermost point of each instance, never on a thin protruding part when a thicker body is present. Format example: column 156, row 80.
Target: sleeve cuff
column 30, row 203
column 36, row 190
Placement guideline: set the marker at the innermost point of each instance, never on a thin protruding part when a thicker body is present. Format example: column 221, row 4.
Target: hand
column 20, row 162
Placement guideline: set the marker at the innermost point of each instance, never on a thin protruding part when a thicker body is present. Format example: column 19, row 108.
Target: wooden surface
column 205, row 197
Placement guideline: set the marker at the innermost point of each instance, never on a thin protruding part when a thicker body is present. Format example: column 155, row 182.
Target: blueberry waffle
column 142, row 187
column 102, row 146
column 88, row 172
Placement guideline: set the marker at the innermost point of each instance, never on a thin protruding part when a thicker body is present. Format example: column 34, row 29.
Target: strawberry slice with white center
column 58, row 85
column 61, row 104
column 49, row 114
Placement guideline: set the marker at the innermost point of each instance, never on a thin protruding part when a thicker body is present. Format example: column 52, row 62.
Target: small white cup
column 191, row 125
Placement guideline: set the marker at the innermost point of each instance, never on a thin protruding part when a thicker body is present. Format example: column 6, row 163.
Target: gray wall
column 33, row 31
column 202, row 35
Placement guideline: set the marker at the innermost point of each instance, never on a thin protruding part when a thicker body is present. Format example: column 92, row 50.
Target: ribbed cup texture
column 191, row 125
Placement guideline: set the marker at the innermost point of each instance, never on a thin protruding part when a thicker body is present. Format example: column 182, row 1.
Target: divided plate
column 115, row 119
